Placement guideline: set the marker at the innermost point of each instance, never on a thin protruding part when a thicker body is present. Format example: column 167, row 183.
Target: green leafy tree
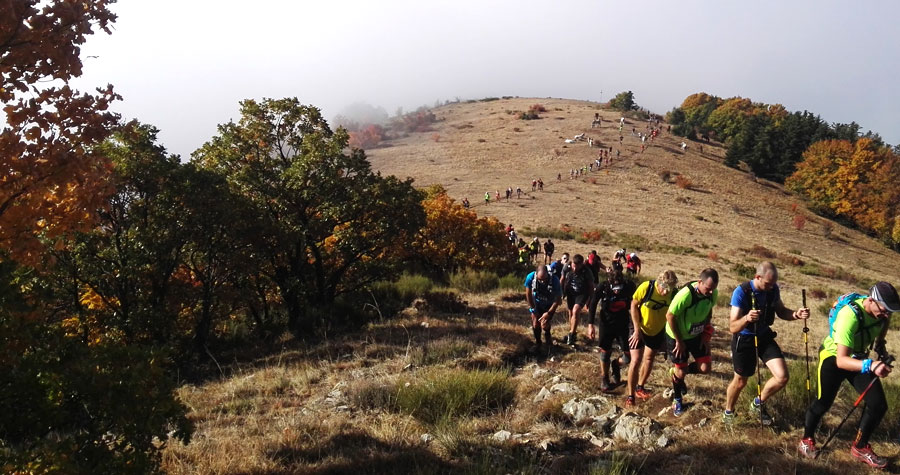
column 326, row 224
column 624, row 101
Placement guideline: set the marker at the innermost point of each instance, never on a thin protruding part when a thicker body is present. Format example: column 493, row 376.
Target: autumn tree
column 455, row 237
column 325, row 223
column 54, row 177
column 853, row 181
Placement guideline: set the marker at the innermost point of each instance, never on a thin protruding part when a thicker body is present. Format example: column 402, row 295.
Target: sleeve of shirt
column 529, row 279
column 738, row 298
column 641, row 291
column 844, row 327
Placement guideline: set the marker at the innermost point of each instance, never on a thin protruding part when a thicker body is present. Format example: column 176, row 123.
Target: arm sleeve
column 739, row 299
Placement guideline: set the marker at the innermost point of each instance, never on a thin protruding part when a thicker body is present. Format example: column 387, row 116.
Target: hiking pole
column 887, row 361
column 755, row 306
column 806, row 342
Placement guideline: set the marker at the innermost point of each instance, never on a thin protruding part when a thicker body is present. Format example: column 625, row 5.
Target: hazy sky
column 184, row 65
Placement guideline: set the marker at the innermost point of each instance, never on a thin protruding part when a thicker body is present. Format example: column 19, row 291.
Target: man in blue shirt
column 754, row 305
column 544, row 294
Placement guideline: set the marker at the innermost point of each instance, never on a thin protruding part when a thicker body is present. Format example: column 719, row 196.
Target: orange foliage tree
column 454, row 238
column 367, row 137
column 853, row 181
column 52, row 178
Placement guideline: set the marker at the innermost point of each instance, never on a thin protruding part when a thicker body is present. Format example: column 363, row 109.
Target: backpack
column 695, row 299
column 650, row 289
column 542, row 292
column 577, row 282
column 850, row 299
column 768, row 312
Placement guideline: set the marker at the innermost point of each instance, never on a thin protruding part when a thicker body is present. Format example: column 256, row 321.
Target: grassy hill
column 428, row 391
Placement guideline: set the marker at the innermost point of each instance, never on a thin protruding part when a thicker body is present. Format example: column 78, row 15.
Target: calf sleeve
column 813, row 415
column 693, row 368
column 537, row 334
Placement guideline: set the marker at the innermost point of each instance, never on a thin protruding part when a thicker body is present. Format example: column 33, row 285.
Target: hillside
column 335, row 406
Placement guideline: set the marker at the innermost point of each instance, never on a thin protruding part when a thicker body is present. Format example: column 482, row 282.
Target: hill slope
column 342, row 405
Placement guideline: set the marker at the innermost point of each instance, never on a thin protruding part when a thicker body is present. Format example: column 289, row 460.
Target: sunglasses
column 881, row 310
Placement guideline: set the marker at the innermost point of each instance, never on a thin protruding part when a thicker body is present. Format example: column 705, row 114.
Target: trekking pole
column 755, row 306
column 887, row 361
column 806, row 342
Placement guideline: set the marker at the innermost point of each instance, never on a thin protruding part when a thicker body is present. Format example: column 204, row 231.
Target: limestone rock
column 544, row 393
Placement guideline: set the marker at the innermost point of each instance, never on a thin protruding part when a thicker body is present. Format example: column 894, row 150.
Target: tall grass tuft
column 511, row 282
column 474, row 281
column 441, row 395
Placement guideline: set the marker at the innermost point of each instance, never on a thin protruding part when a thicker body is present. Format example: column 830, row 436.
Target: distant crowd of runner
column 658, row 315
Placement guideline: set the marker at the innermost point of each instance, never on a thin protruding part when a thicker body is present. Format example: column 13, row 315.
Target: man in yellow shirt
column 649, row 305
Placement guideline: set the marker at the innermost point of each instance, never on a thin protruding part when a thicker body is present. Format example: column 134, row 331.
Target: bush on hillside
column 469, row 280
column 440, row 395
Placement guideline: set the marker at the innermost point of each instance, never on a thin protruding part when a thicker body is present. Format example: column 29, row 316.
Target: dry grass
column 275, row 416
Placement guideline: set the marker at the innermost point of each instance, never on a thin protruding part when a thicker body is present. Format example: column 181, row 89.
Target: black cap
column 885, row 294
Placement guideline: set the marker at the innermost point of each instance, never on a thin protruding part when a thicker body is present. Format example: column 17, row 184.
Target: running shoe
column 677, row 407
column 728, row 417
column 866, row 455
column 758, row 409
column 629, row 402
column 642, row 393
column 807, row 448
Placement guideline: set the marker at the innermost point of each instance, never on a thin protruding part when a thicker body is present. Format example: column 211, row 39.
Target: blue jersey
column 544, row 293
column 765, row 302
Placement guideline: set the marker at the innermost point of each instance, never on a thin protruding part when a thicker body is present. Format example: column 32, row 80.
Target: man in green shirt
column 688, row 331
column 858, row 323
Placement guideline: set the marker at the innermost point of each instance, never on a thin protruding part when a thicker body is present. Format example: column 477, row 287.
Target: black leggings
column 830, row 379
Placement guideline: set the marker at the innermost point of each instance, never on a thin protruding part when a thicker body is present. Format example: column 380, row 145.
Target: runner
column 543, row 293
column 632, row 264
column 549, row 247
column 578, row 286
column 688, row 331
column 857, row 323
column 754, row 306
column 613, row 296
column 534, row 249
column 487, row 197
column 645, row 330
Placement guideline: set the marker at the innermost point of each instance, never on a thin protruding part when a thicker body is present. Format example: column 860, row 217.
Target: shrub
column 469, row 280
column 713, row 256
column 684, row 182
column 544, row 233
column 445, row 301
column 529, row 116
column 537, row 108
column 762, row 252
column 594, row 236
column 440, row 395
column 799, row 221
column 744, row 271
column 665, row 176
column 436, row 137
column 439, row 351
column 811, row 269
column 632, row 241
column 818, row 294
column 511, row 282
